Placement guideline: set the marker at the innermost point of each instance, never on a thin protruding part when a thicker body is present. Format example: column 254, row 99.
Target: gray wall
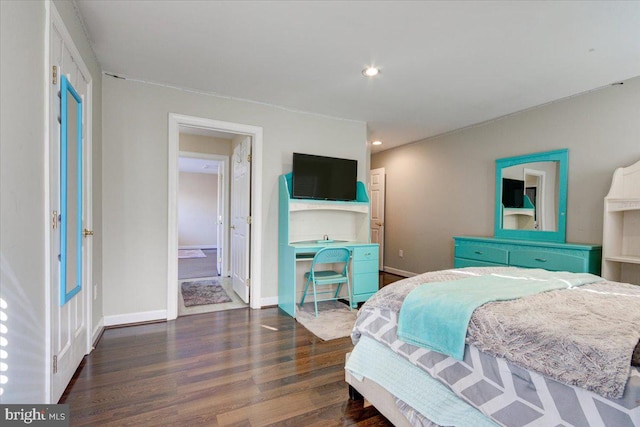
column 22, row 203
column 197, row 210
column 205, row 144
column 444, row 186
column 22, row 261
column 135, row 179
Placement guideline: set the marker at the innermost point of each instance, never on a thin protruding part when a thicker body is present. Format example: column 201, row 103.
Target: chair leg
column 315, row 298
column 338, row 288
column 350, row 294
column 304, row 294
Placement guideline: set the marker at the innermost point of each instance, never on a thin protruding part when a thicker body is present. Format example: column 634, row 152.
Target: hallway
column 195, row 269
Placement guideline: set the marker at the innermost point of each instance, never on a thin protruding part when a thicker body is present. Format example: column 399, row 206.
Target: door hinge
column 249, row 158
column 54, row 75
column 249, row 220
column 55, row 364
column 54, row 220
column 247, row 282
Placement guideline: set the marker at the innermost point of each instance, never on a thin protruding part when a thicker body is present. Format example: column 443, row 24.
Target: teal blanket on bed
column 409, row 383
column 436, row 315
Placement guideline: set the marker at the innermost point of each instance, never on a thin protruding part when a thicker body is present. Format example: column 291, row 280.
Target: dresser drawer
column 365, row 253
column 548, row 260
column 463, row 262
column 482, row 253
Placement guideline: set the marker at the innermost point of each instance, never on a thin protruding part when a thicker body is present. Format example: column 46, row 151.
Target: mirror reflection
column 530, row 196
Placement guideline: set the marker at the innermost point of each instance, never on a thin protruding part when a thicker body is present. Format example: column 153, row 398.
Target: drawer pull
column 479, row 252
column 541, row 259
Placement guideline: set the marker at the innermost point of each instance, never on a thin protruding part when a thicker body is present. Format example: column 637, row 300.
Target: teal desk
column 302, row 222
column 295, row 260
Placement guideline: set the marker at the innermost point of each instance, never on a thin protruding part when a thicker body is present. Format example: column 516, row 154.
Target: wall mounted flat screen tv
column 324, row 178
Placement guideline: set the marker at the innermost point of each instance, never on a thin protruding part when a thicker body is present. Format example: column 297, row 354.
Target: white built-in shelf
column 621, row 227
column 623, row 258
column 620, row 205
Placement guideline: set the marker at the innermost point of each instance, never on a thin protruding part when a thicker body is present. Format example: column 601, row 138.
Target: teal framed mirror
column 70, row 191
column 531, row 196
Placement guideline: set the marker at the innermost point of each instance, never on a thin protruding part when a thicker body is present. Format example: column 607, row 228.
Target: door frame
column 225, row 208
column 255, row 132
column 53, row 18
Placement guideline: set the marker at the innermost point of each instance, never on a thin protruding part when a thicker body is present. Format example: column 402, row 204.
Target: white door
column 70, row 203
column 240, row 217
column 220, row 219
column 376, row 198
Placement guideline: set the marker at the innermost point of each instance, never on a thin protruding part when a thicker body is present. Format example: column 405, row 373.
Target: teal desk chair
column 318, row 278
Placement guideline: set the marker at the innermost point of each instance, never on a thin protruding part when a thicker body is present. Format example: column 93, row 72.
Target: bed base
column 380, row 398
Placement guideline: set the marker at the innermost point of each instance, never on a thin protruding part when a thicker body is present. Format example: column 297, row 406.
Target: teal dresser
column 490, row 251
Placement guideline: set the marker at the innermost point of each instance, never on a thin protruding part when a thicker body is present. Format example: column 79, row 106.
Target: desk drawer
column 548, row 260
column 369, row 266
column 365, row 283
column 365, row 253
column 482, row 253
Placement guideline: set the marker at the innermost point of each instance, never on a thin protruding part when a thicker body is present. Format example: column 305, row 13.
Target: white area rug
column 191, row 253
column 334, row 319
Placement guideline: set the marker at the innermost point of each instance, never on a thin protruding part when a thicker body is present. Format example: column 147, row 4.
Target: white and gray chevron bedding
column 510, row 395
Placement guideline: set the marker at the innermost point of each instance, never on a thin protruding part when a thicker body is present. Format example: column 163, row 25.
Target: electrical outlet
column 400, row 253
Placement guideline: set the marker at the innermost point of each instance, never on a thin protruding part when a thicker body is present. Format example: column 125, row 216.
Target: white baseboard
column 145, row 316
column 96, row 332
column 267, row 301
column 198, row 247
column 399, row 272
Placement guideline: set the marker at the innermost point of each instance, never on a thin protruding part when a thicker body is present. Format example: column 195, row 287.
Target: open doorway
column 203, row 211
column 197, row 140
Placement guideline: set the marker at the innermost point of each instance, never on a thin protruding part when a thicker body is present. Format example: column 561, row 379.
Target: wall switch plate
column 400, row 253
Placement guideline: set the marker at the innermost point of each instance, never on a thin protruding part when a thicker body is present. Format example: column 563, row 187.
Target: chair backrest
column 331, row 256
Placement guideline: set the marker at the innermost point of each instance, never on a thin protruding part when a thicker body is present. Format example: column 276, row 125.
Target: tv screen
column 324, row 178
column 512, row 192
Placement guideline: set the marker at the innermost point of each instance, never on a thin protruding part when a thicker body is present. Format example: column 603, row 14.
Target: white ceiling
column 445, row 65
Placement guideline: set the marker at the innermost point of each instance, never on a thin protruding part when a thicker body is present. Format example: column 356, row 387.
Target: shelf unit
column 621, row 227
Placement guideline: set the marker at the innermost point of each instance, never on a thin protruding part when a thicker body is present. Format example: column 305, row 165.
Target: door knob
column 87, row 232
column 233, row 227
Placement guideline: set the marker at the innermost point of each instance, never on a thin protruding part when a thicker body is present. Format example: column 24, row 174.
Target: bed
column 560, row 357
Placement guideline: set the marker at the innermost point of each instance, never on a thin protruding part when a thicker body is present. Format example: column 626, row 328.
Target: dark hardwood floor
column 387, row 278
column 238, row 367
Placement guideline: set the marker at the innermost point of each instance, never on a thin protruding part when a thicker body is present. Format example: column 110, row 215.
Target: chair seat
column 327, row 277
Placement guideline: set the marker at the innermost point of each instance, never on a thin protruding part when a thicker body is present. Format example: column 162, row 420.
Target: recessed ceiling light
column 371, row 71
column 376, row 143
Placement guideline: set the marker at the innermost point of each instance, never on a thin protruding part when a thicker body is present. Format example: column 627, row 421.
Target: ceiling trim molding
column 233, row 98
